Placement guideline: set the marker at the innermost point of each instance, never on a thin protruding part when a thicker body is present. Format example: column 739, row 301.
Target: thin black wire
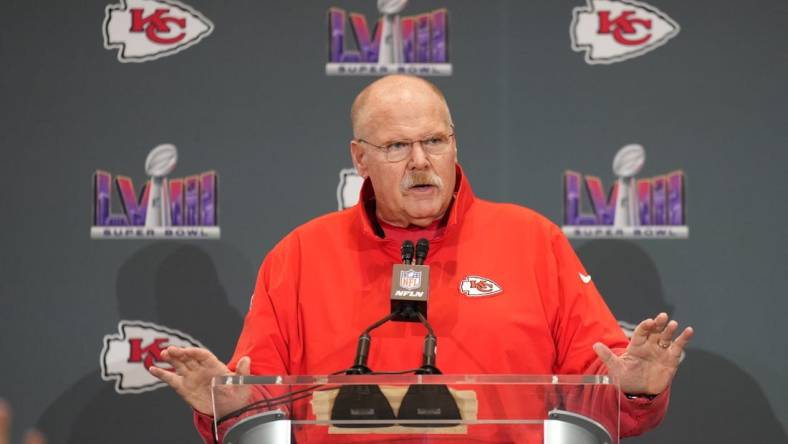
column 283, row 399
column 292, row 396
column 268, row 401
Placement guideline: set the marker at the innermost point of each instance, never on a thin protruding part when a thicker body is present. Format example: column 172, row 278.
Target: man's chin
column 424, row 215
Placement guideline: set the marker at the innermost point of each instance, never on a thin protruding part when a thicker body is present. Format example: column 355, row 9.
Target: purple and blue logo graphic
column 416, row 44
column 634, row 208
column 165, row 208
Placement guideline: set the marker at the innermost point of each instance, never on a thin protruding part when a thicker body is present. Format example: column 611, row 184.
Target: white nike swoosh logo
column 585, row 278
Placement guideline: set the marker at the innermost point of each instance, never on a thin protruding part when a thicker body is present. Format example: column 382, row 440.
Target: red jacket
column 330, row 278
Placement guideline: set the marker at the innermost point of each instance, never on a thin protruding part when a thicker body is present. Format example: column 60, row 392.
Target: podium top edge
column 488, row 379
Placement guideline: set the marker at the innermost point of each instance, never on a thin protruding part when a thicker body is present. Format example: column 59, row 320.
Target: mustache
column 421, row 178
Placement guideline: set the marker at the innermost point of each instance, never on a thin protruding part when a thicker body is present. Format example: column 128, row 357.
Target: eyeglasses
column 399, row 150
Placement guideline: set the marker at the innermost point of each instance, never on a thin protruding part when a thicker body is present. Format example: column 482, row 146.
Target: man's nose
column 418, row 157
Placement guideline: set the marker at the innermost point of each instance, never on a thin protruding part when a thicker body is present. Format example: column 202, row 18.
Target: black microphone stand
column 362, row 348
column 430, row 345
column 421, row 401
column 429, row 401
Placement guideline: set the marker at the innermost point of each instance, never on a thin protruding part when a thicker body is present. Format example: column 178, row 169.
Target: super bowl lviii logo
column 645, row 208
column 612, row 31
column 398, row 44
column 127, row 356
column 165, row 208
column 143, row 30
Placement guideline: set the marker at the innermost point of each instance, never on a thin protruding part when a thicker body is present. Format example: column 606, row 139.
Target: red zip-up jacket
column 330, row 278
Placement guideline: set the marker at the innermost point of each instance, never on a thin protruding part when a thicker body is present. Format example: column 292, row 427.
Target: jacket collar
column 461, row 202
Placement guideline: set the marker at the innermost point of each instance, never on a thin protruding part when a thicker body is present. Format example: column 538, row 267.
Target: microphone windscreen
column 422, row 247
column 407, row 251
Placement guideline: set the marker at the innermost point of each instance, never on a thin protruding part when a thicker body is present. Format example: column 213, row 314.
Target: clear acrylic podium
column 553, row 409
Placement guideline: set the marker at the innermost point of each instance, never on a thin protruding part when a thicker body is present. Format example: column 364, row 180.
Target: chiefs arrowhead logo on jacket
column 612, row 31
column 145, row 30
column 477, row 286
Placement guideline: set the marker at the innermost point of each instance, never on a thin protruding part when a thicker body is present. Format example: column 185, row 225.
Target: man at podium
column 507, row 295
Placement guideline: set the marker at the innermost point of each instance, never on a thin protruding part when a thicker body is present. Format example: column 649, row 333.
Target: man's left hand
column 650, row 361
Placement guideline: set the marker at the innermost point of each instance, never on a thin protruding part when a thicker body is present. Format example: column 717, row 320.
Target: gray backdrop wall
column 252, row 102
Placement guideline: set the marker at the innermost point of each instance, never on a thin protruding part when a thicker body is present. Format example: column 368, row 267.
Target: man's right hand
column 194, row 368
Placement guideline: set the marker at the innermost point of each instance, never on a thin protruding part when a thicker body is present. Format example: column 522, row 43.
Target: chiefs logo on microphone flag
column 614, row 31
column 143, row 30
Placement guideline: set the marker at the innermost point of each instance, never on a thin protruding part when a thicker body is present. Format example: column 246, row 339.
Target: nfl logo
column 410, row 279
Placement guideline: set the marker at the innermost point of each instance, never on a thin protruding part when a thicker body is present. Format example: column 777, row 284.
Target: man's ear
column 358, row 154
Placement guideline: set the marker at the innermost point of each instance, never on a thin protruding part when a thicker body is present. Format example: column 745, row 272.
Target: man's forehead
column 398, row 99
column 404, row 106
column 398, row 93
column 406, row 125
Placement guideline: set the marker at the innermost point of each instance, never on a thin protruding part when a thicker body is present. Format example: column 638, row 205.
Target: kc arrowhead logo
column 476, row 286
column 613, row 31
column 144, row 30
column 127, row 356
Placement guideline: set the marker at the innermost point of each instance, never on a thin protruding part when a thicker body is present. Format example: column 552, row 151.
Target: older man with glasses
column 508, row 294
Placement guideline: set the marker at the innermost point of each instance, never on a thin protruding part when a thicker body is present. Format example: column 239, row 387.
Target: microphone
column 407, row 252
column 410, row 283
column 409, row 295
column 398, row 308
column 366, row 401
column 422, row 248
